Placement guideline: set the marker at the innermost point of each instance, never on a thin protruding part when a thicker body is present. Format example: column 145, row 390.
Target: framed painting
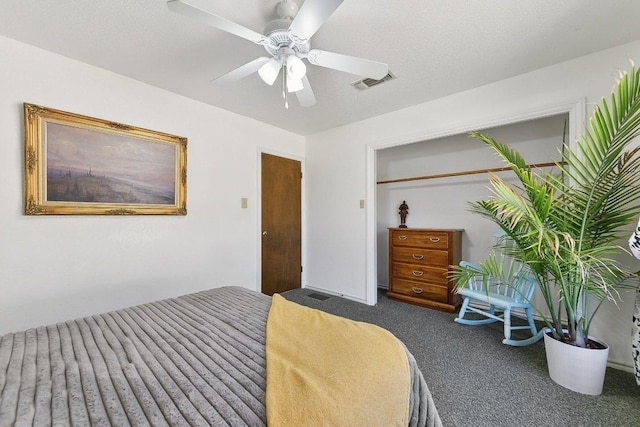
column 78, row 165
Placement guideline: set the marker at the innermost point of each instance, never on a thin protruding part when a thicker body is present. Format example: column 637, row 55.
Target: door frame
column 577, row 121
column 303, row 209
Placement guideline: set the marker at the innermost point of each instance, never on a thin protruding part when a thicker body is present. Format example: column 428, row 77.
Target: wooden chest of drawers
column 419, row 260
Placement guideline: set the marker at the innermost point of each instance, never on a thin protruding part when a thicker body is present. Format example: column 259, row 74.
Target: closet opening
column 438, row 177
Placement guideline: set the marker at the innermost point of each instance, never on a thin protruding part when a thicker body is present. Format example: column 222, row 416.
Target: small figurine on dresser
column 404, row 211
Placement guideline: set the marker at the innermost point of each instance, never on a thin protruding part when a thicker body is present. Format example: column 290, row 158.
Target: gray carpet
column 476, row 380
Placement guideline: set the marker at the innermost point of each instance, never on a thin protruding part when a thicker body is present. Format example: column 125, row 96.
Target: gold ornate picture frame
column 79, row 165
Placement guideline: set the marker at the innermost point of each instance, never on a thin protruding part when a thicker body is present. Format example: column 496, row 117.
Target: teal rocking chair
column 501, row 298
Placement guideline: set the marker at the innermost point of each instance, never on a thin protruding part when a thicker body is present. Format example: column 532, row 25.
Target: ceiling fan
column 287, row 41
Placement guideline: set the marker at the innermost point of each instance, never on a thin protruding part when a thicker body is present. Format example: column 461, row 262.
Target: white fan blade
column 242, row 72
column 311, row 16
column 348, row 64
column 306, row 98
column 184, row 8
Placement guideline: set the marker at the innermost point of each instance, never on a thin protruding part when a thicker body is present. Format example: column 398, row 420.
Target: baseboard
column 620, row 366
column 336, row 294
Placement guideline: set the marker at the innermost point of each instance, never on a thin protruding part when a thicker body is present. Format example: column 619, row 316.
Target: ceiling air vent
column 367, row 83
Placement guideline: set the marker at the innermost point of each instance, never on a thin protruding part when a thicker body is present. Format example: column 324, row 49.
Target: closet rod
column 472, row 172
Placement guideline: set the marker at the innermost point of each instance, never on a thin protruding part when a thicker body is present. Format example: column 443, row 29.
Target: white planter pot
column 576, row 368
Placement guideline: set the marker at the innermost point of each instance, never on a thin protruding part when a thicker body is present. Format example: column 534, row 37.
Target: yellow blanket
column 324, row 370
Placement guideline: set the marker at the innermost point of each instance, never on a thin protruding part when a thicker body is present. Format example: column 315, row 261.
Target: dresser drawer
column 428, row 291
column 421, row 256
column 423, row 239
column 420, row 272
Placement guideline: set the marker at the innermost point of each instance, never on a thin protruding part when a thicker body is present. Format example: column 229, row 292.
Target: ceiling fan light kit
column 295, row 67
column 294, row 85
column 270, row 70
column 287, row 41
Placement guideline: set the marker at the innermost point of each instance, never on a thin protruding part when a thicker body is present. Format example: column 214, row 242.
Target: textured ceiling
column 435, row 48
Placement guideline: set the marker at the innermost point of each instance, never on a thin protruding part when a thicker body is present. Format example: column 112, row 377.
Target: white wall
column 341, row 259
column 53, row 268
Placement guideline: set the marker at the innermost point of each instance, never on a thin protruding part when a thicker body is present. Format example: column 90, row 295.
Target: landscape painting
column 97, row 167
column 80, row 165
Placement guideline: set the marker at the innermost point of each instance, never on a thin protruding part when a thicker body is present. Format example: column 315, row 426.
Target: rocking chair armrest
column 470, row 266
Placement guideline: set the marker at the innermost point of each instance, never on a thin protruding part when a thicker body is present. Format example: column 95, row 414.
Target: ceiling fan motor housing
column 278, row 31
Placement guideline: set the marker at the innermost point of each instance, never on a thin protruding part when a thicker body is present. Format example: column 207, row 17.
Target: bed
column 198, row 359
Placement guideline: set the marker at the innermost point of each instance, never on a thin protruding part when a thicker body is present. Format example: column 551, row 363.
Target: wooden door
column 281, row 224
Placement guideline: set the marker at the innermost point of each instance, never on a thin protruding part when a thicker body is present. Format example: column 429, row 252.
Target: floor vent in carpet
column 320, row 297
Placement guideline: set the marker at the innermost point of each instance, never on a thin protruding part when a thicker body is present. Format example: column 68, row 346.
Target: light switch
column 361, row 204
column 243, row 203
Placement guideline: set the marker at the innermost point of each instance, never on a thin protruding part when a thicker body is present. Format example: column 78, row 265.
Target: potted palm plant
column 566, row 227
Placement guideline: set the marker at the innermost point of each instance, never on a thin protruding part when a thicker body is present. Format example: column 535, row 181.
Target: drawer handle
column 417, row 290
column 417, row 256
column 402, row 237
column 418, row 273
column 434, row 239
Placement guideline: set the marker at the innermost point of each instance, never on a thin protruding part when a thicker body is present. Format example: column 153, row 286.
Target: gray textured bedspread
column 198, row 359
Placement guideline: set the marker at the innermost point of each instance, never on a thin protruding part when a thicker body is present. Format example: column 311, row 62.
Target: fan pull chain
column 285, row 92
column 284, row 82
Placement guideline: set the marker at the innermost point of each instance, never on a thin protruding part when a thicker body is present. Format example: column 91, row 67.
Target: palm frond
column 565, row 227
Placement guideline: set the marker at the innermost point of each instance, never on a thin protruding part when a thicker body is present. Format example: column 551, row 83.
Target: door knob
column 264, row 234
